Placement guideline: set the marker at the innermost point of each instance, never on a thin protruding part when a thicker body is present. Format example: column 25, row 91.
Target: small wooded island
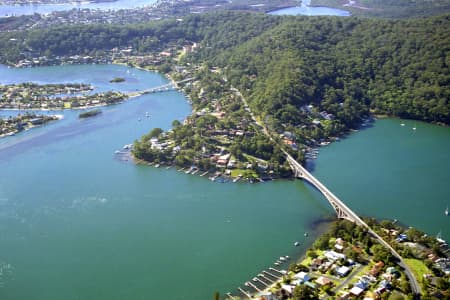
column 89, row 113
column 117, row 80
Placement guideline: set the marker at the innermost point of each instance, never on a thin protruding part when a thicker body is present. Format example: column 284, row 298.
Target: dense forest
column 347, row 67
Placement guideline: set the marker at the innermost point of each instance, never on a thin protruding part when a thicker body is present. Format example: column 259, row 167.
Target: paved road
column 415, row 287
column 349, row 277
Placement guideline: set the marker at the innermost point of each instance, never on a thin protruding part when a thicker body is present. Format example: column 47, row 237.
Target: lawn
column 417, row 267
column 244, row 173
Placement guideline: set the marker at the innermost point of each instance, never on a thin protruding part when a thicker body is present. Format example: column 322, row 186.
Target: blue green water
column 29, row 9
column 392, row 171
column 76, row 223
column 305, row 10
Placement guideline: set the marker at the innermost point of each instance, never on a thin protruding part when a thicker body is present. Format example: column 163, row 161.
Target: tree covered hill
column 346, row 67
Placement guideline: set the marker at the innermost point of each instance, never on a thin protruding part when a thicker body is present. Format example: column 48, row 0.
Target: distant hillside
column 389, row 8
column 346, row 67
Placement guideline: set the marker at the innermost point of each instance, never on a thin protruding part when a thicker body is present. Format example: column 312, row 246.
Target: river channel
column 77, row 223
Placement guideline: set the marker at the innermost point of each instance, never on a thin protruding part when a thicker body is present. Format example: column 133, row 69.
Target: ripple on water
column 87, row 202
column 6, row 272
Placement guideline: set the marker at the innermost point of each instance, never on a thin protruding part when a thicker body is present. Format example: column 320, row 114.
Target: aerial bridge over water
column 342, row 210
column 159, row 89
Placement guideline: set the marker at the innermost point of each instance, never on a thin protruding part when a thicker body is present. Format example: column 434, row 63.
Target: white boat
column 446, row 211
column 440, row 239
column 402, row 124
column 296, row 244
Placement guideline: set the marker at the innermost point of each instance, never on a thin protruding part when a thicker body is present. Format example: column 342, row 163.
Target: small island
column 117, row 80
column 89, row 113
column 14, row 125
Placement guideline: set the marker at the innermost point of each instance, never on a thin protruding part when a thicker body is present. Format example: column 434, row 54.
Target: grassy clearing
column 245, row 173
column 417, row 267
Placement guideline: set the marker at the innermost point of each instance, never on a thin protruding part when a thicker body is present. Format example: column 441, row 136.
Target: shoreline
column 321, row 260
column 57, row 117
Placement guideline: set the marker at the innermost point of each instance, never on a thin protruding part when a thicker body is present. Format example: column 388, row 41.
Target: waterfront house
column 401, row 238
column 333, row 256
column 37, row 121
column 302, row 276
column 288, row 288
column 338, row 247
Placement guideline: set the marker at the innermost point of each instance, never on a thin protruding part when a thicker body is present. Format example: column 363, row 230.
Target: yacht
column 446, row 211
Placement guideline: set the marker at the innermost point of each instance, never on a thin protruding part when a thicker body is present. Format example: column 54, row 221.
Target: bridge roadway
column 340, row 208
column 344, row 212
column 158, row 89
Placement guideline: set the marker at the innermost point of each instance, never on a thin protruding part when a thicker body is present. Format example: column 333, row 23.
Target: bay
column 29, row 9
column 77, row 223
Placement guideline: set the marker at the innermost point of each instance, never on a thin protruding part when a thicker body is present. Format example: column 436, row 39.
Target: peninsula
column 347, row 263
column 14, row 125
column 54, row 96
column 296, row 93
